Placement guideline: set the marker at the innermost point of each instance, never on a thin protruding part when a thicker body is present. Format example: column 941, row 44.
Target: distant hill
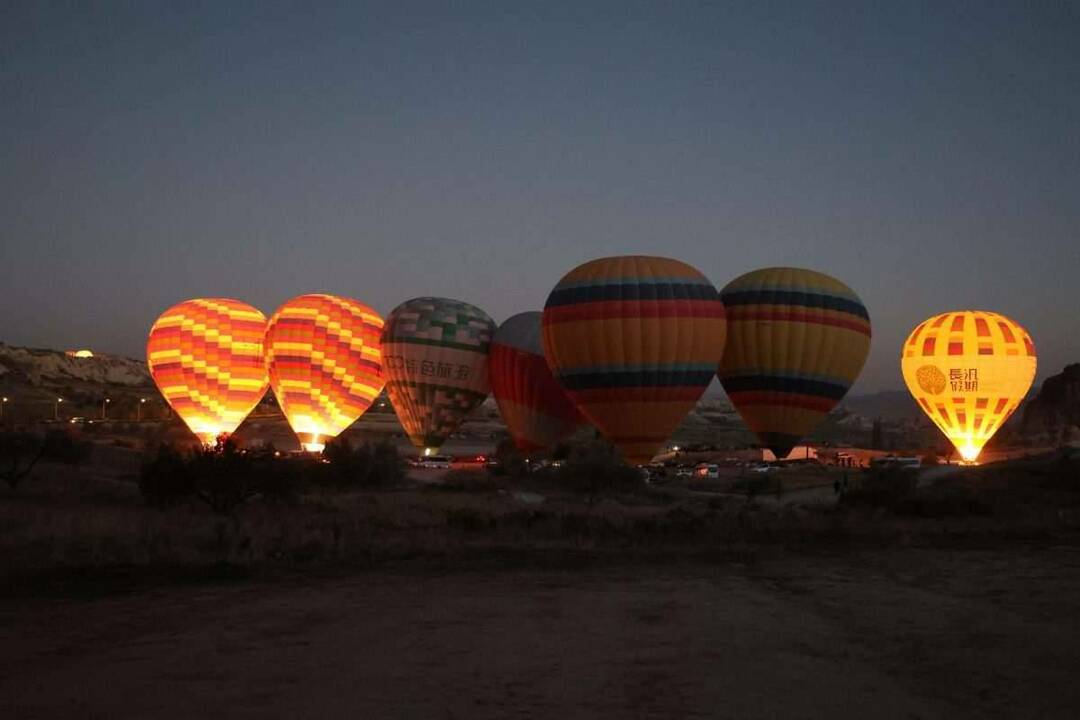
column 32, row 379
column 890, row 405
column 49, row 368
column 1053, row 414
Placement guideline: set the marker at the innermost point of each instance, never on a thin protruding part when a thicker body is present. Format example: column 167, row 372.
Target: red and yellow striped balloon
column 537, row 411
column 324, row 357
column 206, row 357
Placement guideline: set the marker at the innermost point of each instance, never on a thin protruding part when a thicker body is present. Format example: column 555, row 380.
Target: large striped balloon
column 324, row 357
column 206, row 357
column 537, row 411
column 436, row 353
column 635, row 341
column 797, row 340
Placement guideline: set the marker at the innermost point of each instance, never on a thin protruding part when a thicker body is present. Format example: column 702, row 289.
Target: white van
column 441, row 462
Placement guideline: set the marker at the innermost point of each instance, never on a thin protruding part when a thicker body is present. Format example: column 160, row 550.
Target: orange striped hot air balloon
column 968, row 370
column 324, row 358
column 206, row 357
column 635, row 342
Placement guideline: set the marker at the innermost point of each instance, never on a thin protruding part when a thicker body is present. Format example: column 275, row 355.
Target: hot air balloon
column 968, row 370
column 797, row 340
column 537, row 411
column 206, row 357
column 324, row 358
column 436, row 354
column 635, row 341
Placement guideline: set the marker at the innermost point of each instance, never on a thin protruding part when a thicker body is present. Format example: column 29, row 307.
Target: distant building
column 799, row 452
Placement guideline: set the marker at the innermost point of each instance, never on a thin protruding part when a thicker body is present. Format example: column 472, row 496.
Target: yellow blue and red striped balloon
column 797, row 340
column 635, row 341
column 324, row 356
column 206, row 357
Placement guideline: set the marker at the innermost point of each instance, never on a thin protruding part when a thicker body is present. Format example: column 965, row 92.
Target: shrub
column 947, row 500
column 61, row 446
column 883, row 487
column 468, row 481
column 369, row 465
column 223, row 477
column 166, row 479
column 511, row 461
column 227, row 476
column 19, row 452
column 596, row 468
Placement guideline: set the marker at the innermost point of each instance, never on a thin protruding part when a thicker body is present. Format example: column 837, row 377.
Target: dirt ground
column 902, row 634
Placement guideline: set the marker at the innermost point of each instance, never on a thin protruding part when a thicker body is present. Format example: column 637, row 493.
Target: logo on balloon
column 931, row 379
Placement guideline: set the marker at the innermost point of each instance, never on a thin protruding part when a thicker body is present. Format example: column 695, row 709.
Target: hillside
column 32, row 379
column 1054, row 413
column 890, row 405
column 51, row 368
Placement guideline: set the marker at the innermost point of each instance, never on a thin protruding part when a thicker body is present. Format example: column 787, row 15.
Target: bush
column 19, row 452
column 223, row 477
column 511, row 461
column 226, row 476
column 883, row 487
column 369, row 465
column 468, row 481
column 949, row 500
column 596, row 468
column 61, row 446
column 166, row 479
column 754, row 485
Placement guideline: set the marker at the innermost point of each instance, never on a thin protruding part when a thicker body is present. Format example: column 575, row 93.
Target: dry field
column 502, row 599
column 891, row 634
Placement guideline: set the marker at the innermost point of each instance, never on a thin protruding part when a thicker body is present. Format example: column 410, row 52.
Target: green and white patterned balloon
column 435, row 354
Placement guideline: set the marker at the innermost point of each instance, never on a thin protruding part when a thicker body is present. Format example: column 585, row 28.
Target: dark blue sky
column 926, row 154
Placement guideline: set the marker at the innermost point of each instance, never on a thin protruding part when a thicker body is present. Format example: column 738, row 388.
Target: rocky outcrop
column 1054, row 413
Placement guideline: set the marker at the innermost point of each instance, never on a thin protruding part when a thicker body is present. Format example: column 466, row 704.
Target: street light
column 56, row 408
column 104, row 403
column 2, row 404
column 141, row 401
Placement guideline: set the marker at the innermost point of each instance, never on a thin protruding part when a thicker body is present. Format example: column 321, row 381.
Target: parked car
column 684, row 471
column 440, row 462
column 706, row 471
column 465, row 462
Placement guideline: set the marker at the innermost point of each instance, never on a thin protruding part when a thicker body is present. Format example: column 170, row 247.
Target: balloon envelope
column 797, row 340
column 324, row 358
column 206, row 357
column 968, row 370
column 436, row 358
column 635, row 341
column 537, row 411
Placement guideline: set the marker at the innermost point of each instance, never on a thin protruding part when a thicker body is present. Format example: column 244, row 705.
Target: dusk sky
column 926, row 154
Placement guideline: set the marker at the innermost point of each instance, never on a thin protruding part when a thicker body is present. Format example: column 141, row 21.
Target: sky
column 927, row 154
